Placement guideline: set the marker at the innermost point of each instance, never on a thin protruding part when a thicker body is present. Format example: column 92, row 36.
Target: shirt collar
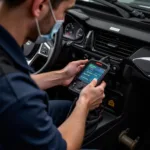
column 10, row 46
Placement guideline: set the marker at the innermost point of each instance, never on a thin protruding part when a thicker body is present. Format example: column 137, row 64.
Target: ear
column 38, row 6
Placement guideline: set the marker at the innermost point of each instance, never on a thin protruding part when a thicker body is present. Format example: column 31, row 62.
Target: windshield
column 141, row 3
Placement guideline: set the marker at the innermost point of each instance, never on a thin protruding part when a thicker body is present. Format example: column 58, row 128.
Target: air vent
column 107, row 43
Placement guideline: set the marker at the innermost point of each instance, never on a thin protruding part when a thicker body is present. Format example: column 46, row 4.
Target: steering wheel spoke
column 45, row 50
column 48, row 52
column 31, row 61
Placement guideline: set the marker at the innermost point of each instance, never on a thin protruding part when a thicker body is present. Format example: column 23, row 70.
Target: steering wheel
column 49, row 51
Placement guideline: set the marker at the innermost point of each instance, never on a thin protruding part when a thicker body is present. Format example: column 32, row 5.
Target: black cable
column 106, row 60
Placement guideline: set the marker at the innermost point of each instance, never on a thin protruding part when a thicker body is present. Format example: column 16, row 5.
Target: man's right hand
column 91, row 96
column 73, row 129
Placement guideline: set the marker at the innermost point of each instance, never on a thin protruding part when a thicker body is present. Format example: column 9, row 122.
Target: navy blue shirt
column 24, row 120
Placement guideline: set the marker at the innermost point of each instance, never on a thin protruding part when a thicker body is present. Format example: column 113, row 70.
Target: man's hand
column 73, row 129
column 71, row 70
column 92, row 96
column 61, row 77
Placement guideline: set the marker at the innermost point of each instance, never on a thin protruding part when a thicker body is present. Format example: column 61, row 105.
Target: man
column 26, row 115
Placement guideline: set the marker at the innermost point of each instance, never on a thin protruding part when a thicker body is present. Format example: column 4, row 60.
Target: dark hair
column 15, row 3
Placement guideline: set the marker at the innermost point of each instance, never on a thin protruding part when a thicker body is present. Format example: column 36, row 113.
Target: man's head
column 24, row 13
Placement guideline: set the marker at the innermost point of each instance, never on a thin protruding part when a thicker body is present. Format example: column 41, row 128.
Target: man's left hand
column 71, row 70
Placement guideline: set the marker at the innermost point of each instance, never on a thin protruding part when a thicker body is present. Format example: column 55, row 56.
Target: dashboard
column 88, row 37
column 100, row 37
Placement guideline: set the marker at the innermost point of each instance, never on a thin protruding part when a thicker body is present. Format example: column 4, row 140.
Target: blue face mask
column 48, row 37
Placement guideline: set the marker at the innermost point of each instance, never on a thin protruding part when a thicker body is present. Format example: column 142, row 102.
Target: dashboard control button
column 114, row 68
column 44, row 50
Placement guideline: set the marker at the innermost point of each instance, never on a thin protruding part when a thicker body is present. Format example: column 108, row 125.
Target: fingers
column 93, row 83
column 80, row 67
column 97, row 104
column 81, row 62
column 102, row 86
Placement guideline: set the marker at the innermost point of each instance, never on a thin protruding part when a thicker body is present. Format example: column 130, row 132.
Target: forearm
column 73, row 128
column 48, row 80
